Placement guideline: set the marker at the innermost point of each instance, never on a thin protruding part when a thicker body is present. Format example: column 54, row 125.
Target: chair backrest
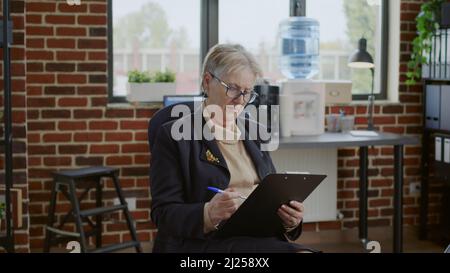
column 162, row 116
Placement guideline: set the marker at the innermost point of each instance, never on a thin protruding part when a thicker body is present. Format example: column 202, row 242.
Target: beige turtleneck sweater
column 243, row 176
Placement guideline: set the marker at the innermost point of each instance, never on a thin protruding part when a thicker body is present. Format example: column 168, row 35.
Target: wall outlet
column 414, row 188
column 130, row 201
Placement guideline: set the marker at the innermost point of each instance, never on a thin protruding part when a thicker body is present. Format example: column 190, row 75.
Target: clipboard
column 257, row 216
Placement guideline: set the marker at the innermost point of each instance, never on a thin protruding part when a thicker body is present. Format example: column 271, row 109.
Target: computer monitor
column 173, row 99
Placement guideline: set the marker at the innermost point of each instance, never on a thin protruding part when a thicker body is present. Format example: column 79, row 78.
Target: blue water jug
column 299, row 44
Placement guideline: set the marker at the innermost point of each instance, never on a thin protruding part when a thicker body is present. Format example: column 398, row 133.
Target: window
column 342, row 23
column 154, row 35
column 175, row 34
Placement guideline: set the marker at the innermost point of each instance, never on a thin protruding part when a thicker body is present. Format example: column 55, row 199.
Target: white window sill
column 140, row 105
column 377, row 102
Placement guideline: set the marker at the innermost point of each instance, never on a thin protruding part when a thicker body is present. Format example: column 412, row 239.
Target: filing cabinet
column 433, row 106
column 442, row 156
column 436, row 131
column 442, row 171
column 445, row 108
column 437, row 107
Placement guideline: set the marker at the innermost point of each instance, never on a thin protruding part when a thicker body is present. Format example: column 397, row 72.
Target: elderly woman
column 184, row 211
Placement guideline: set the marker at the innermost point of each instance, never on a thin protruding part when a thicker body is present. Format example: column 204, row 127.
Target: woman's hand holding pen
column 223, row 205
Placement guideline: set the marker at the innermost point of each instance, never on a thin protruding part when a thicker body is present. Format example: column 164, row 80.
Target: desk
column 340, row 140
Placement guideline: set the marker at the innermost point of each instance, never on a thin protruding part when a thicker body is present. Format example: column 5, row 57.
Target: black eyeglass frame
column 252, row 93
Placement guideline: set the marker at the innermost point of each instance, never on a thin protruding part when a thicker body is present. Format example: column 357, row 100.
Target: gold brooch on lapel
column 211, row 158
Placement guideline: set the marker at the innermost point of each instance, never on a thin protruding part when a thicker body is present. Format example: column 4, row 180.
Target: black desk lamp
column 362, row 59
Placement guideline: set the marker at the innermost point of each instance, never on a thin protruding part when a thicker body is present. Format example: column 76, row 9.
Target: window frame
column 111, row 97
column 209, row 36
column 383, row 95
column 209, row 25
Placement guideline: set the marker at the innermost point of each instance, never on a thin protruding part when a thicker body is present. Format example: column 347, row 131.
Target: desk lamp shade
column 361, row 58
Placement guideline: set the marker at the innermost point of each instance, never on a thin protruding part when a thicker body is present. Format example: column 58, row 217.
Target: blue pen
column 216, row 190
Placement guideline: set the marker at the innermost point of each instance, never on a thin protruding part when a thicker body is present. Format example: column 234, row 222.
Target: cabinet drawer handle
column 335, row 93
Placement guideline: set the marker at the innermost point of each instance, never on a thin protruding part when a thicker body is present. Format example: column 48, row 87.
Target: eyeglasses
column 234, row 93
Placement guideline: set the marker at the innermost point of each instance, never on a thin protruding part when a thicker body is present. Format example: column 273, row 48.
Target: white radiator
column 321, row 205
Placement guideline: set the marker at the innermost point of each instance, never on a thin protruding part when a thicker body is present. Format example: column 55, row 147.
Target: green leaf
column 426, row 24
column 135, row 76
column 167, row 76
column 410, row 82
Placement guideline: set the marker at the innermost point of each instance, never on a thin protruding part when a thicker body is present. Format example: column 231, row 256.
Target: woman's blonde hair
column 225, row 59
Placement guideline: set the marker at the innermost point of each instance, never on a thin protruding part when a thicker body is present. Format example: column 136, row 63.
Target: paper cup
column 347, row 123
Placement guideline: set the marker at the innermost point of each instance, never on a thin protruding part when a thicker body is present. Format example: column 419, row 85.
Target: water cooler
column 302, row 101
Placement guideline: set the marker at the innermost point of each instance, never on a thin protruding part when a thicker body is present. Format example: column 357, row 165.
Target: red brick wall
column 69, row 123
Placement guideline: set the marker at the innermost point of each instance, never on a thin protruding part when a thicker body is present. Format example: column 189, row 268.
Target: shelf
column 427, row 163
column 436, row 80
column 436, row 131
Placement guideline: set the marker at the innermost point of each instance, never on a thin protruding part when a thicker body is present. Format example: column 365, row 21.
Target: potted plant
column 427, row 23
column 146, row 87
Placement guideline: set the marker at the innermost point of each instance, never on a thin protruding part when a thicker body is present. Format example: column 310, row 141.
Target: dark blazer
column 179, row 176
